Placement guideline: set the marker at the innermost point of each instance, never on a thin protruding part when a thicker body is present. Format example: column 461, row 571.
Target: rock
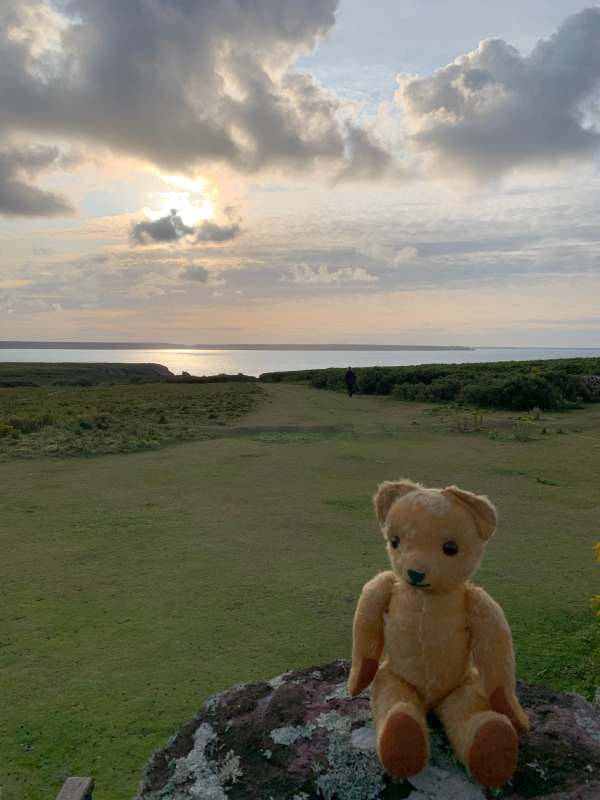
column 301, row 737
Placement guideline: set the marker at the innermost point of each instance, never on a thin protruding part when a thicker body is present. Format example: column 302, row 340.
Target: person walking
column 350, row 381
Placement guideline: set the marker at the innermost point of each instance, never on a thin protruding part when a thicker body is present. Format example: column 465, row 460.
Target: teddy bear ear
column 482, row 510
column 387, row 493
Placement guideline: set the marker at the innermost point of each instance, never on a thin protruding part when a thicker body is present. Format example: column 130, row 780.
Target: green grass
column 66, row 421
column 78, row 374
column 134, row 586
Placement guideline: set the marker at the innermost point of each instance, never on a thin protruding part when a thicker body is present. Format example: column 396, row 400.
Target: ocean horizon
column 277, row 358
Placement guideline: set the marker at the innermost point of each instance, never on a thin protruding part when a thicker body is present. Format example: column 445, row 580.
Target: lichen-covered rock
column 301, row 737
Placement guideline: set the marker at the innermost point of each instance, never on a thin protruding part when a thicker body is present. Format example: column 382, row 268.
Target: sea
column 256, row 362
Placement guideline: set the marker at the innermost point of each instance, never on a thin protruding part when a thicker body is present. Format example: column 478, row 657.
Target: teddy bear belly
column 433, row 662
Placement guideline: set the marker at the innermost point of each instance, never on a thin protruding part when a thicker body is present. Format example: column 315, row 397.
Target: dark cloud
column 213, row 232
column 179, row 82
column 18, row 196
column 199, row 274
column 493, row 109
column 367, row 159
column 171, row 228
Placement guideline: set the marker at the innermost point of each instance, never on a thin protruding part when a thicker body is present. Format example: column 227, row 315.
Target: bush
column 30, row 424
column 518, row 393
column 444, row 390
column 524, row 430
column 513, row 385
column 467, row 421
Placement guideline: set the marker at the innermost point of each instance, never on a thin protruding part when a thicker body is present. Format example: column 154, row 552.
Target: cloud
column 321, row 275
column 199, row 274
column 493, row 110
column 171, row 228
column 18, row 196
column 367, row 159
column 213, row 232
column 180, row 83
column 405, row 255
column 183, row 84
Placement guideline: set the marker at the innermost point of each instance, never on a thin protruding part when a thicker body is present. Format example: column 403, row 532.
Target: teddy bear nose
column 414, row 576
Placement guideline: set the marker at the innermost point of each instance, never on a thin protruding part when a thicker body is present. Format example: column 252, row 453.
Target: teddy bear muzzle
column 417, row 578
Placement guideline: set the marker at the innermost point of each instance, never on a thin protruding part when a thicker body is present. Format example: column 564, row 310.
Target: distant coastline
column 166, row 346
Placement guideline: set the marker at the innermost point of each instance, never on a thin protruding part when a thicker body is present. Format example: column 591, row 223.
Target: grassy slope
column 50, row 374
column 134, row 586
column 117, row 418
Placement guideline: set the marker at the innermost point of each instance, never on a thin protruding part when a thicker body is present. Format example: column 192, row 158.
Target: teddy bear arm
column 492, row 648
column 367, row 631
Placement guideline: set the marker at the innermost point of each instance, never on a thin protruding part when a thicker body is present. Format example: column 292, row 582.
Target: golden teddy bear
column 445, row 642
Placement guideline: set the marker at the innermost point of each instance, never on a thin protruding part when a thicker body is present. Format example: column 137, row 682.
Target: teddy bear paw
column 494, row 753
column 360, row 679
column 402, row 745
column 506, row 703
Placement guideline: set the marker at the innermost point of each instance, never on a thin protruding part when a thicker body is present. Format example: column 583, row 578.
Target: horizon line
column 41, row 344
column 18, row 344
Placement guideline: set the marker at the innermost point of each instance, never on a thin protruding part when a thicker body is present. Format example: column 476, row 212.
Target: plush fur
column 428, row 639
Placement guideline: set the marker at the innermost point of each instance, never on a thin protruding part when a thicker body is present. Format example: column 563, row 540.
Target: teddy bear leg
column 399, row 715
column 482, row 739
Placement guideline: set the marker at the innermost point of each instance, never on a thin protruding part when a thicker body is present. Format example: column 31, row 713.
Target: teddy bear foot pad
column 402, row 747
column 494, row 753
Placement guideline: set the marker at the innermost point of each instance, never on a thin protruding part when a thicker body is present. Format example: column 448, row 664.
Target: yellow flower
column 596, row 604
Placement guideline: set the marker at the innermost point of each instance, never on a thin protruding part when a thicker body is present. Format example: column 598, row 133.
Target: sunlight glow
column 193, row 205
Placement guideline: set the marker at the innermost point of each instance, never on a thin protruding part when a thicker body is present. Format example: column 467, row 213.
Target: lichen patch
column 363, row 738
column 198, row 775
column 434, row 783
column 289, row 734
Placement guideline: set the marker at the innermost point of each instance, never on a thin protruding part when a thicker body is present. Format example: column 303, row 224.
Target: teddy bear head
column 435, row 537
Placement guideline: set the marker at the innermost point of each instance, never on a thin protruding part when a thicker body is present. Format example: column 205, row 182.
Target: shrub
column 482, row 394
column 412, row 391
column 444, row 390
column 30, row 424
column 513, row 385
column 524, row 430
column 467, row 422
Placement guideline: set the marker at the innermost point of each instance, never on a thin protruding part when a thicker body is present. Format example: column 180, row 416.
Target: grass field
column 133, row 586
column 68, row 421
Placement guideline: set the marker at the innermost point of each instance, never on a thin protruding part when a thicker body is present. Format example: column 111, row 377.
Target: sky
column 218, row 171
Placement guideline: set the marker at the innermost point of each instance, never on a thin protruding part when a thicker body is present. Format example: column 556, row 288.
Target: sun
column 193, row 204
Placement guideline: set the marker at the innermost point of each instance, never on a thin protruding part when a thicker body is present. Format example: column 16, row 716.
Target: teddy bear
column 428, row 639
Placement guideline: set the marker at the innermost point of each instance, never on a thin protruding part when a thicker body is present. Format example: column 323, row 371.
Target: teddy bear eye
column 395, row 541
column 450, row 548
